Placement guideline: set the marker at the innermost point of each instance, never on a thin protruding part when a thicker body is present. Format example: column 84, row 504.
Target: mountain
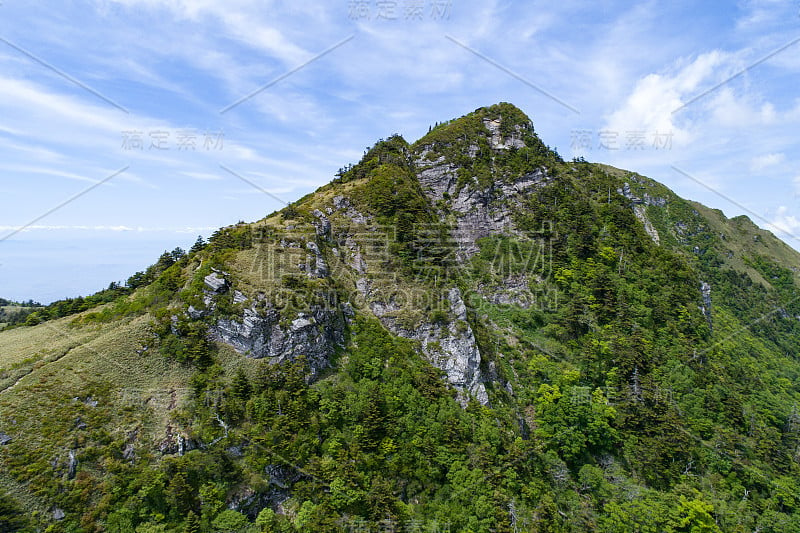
column 12, row 313
column 466, row 333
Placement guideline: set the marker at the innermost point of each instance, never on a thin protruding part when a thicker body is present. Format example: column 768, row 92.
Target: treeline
column 114, row 292
column 14, row 313
column 29, row 303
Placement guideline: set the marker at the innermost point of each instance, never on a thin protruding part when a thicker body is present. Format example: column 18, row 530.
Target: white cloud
column 121, row 228
column 652, row 104
column 785, row 225
column 247, row 22
column 766, row 161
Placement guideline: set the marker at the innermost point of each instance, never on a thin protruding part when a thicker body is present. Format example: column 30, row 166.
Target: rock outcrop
column 315, row 334
column 450, row 345
column 705, row 289
column 480, row 212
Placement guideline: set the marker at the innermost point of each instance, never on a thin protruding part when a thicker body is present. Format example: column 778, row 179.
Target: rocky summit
column 466, row 333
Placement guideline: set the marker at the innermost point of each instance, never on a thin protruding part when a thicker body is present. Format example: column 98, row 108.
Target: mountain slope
column 466, row 330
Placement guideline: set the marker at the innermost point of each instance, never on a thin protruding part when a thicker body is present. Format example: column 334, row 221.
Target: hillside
column 13, row 313
column 466, row 333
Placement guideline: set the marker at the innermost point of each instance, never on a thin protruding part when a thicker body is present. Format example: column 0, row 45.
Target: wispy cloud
column 175, row 63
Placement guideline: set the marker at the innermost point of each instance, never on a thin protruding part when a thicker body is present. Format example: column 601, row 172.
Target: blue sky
column 88, row 88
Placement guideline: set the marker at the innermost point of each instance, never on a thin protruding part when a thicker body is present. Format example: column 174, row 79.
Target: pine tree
column 192, row 524
column 241, row 385
column 10, row 515
column 198, row 245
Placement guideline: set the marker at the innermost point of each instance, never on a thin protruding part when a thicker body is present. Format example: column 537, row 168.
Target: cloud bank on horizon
column 175, row 91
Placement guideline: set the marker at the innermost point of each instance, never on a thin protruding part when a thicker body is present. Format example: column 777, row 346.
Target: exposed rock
column 380, row 309
column 72, row 465
column 281, row 476
column 58, row 513
column 129, row 452
column 322, row 224
column 251, row 502
column 626, row 192
column 347, row 309
column 215, row 282
column 480, row 212
column 357, row 261
column 653, row 200
column 640, row 213
column 317, row 266
column 195, row 314
column 705, row 289
column 236, row 451
column 340, row 202
column 246, row 500
column 89, row 401
column 4, row 439
column 646, row 199
column 639, row 209
column 497, row 141
column 343, row 204
column 363, row 286
column 450, row 347
column 315, row 334
column 174, row 442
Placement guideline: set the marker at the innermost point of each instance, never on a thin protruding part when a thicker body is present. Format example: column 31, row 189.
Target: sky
column 130, row 127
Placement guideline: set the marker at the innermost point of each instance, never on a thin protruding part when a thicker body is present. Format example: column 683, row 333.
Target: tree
column 177, row 254
column 11, row 516
column 241, row 385
column 198, row 245
column 229, row 521
column 267, row 520
column 180, row 493
column 192, row 524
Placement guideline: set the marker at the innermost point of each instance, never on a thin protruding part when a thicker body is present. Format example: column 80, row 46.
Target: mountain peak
column 465, row 329
column 504, row 123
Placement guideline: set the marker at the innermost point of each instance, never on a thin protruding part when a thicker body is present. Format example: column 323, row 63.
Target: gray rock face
column 72, row 465
column 639, row 209
column 343, row 204
column 316, row 265
column 265, row 333
column 480, row 212
column 449, row 347
column 497, row 141
column 4, row 439
column 641, row 215
column 322, row 224
column 705, row 289
column 315, row 335
column 645, row 199
column 340, row 202
column 216, row 283
column 129, row 452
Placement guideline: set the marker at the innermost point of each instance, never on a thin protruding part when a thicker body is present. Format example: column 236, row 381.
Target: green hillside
column 466, row 333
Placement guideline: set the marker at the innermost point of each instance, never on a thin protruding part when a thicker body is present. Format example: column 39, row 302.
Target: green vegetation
column 620, row 398
column 15, row 313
